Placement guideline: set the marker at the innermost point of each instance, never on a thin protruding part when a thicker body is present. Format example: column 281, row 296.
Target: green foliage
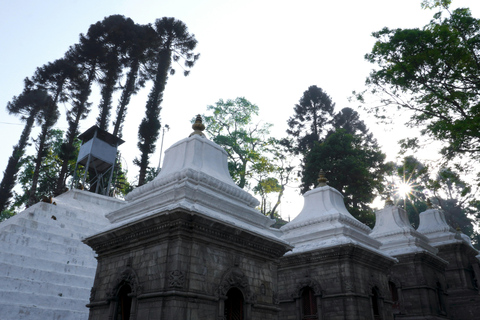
column 29, row 105
column 48, row 171
column 456, row 197
column 340, row 144
column 410, row 175
column 444, row 188
column 273, row 172
column 231, row 127
column 137, row 54
column 120, row 186
column 5, row 214
column 312, row 115
column 255, row 160
column 432, row 73
column 173, row 42
column 114, row 33
column 352, row 167
column 152, row 173
column 430, row 4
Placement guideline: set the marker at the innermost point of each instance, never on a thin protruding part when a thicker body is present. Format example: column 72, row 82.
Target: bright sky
column 269, row 51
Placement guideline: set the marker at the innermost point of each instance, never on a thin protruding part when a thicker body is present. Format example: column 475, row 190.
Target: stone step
column 64, row 218
column 39, row 234
column 43, row 300
column 85, row 259
column 68, row 230
column 67, row 246
column 24, row 311
column 66, row 214
column 28, row 286
column 47, row 265
column 33, row 273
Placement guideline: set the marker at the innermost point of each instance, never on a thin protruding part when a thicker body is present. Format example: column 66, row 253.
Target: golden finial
column 322, row 181
column 388, row 202
column 429, row 204
column 198, row 127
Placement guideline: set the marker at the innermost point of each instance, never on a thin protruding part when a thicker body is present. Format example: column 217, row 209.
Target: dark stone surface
column 180, row 265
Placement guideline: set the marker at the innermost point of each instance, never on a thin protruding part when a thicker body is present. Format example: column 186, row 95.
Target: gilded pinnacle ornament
column 429, row 204
column 388, row 201
column 198, row 127
column 322, row 181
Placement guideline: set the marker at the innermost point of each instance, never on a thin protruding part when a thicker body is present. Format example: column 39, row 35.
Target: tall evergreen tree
column 174, row 43
column 312, row 116
column 28, row 104
column 341, row 145
column 113, row 33
column 353, row 167
column 55, row 77
column 349, row 120
column 86, row 56
column 49, row 116
column 138, row 44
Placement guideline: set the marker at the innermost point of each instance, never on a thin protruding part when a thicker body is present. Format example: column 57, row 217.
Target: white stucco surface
column 325, row 222
column 435, row 227
column 47, row 272
column 195, row 177
column 394, row 231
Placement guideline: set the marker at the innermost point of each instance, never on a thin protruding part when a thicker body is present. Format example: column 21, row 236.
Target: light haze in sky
column 267, row 51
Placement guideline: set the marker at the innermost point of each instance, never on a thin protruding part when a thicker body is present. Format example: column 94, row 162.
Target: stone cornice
column 333, row 254
column 458, row 245
column 428, row 258
column 185, row 224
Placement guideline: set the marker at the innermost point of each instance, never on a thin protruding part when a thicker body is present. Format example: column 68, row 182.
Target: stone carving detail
column 128, row 276
column 349, row 286
column 307, row 282
column 236, row 262
column 263, row 289
column 176, row 279
column 235, row 278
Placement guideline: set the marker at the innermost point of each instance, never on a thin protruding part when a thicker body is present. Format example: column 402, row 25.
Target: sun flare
column 404, row 189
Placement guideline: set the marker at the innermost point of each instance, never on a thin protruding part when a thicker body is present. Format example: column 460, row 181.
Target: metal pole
column 161, row 146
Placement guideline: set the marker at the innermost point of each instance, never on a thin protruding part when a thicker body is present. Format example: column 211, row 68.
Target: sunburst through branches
column 404, row 189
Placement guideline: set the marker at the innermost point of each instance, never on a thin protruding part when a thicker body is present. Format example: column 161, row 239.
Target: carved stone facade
column 179, row 270
column 420, row 278
column 190, row 245
column 342, row 279
column 462, row 275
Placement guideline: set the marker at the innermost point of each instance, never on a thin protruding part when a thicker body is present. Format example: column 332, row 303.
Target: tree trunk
column 10, row 173
column 125, row 99
column 279, row 200
column 32, row 199
column 73, row 130
column 107, row 93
